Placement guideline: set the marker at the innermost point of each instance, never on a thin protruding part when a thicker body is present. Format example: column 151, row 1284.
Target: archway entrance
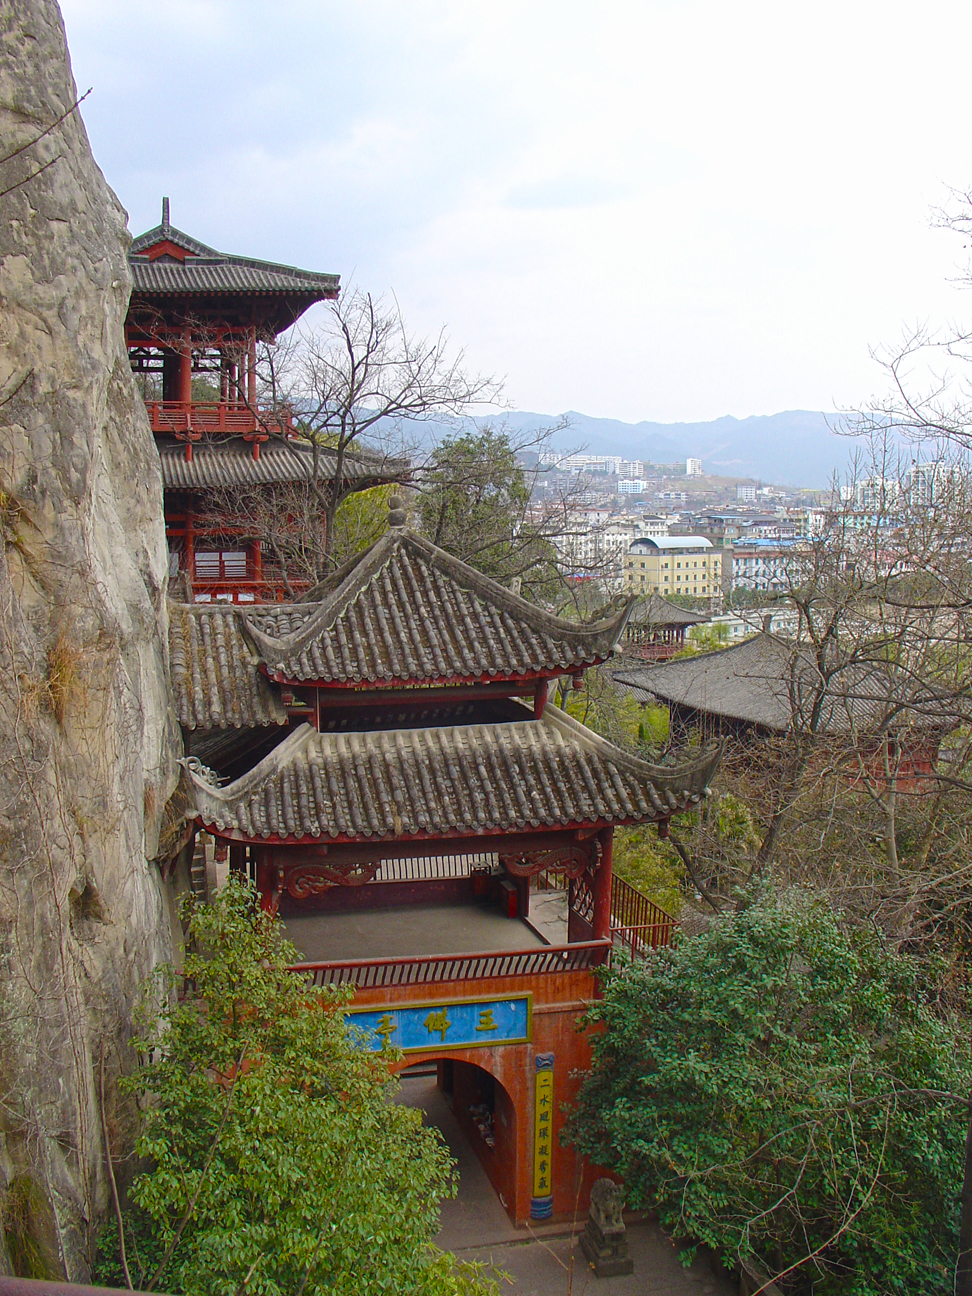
column 477, row 1120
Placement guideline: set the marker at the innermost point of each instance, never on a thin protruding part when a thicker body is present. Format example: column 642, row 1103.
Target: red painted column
column 266, row 881
column 602, row 886
column 189, row 558
column 251, row 370
column 539, row 698
column 185, row 367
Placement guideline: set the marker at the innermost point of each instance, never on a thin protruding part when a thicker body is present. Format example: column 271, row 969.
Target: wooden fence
column 431, row 969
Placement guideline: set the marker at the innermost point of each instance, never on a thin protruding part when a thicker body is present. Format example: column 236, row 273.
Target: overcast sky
column 663, row 211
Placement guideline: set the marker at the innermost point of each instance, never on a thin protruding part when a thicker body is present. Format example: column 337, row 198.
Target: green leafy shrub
column 777, row 1088
column 280, row 1161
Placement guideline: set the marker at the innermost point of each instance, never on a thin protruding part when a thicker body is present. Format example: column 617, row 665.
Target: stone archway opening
column 477, row 1119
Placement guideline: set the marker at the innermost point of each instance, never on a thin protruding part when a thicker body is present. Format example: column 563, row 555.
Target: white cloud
column 642, row 210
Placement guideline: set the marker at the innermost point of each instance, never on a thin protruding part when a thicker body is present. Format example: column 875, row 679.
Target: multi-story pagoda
column 194, row 321
column 433, row 831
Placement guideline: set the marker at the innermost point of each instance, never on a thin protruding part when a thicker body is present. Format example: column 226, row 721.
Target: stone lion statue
column 607, row 1203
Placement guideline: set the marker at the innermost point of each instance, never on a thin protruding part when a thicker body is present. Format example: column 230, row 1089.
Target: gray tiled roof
column 216, row 682
column 657, row 611
column 460, row 780
column 227, row 275
column 231, row 463
column 209, row 271
column 407, row 610
column 770, row 681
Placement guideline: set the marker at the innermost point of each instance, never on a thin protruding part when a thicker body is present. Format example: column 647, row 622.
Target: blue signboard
column 470, row 1023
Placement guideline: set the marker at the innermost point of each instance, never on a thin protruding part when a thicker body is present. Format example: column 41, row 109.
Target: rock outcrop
column 87, row 737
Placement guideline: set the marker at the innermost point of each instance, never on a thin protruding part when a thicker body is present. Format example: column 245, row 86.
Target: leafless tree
column 865, row 787
column 359, row 384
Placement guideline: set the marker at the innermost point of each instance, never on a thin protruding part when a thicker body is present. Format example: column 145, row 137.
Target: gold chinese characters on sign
column 541, row 1206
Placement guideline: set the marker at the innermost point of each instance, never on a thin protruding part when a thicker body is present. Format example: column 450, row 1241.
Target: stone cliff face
column 87, row 739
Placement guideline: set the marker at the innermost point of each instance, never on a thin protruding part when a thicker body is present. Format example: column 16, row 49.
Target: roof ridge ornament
column 397, row 516
column 165, row 213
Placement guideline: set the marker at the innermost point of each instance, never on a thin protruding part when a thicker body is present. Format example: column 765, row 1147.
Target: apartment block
column 688, row 565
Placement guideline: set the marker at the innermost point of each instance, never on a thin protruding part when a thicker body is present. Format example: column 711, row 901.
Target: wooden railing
column 637, row 922
column 246, row 590
column 432, row 969
column 193, row 418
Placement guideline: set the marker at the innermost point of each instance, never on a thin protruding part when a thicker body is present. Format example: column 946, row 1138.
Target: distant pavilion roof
column 230, row 462
column 462, row 780
column 657, row 611
column 768, row 680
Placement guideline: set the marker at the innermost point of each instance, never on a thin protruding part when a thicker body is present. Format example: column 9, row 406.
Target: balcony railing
column 434, row 969
column 190, row 420
column 636, row 922
column 249, row 590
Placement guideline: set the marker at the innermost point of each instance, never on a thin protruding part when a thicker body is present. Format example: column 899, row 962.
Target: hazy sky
column 668, row 211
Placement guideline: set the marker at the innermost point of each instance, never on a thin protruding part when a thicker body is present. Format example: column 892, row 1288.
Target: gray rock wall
column 87, row 737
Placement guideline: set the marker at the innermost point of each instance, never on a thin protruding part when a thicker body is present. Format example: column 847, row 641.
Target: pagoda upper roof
column 165, row 261
column 456, row 781
column 405, row 611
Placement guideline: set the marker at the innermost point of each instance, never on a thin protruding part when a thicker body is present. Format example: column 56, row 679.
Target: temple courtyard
column 539, row 1258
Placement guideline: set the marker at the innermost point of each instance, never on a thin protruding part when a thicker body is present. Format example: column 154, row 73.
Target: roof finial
column 165, row 211
column 396, row 511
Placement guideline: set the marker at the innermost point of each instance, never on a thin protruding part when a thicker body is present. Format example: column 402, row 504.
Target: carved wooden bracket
column 314, row 879
column 570, row 860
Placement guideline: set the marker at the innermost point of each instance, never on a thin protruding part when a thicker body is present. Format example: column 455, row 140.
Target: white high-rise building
column 877, row 494
column 926, row 483
column 693, row 467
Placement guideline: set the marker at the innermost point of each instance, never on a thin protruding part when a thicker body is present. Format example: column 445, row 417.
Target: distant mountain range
column 794, row 448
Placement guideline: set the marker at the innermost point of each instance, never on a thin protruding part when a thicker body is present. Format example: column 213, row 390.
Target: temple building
column 382, row 759
column 195, row 320
column 378, row 752
column 870, row 717
column 656, row 628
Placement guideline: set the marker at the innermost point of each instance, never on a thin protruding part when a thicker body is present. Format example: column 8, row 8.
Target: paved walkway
column 476, row 1227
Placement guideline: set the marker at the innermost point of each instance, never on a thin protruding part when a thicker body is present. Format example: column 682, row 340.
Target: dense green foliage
column 280, row 1161
column 776, row 1087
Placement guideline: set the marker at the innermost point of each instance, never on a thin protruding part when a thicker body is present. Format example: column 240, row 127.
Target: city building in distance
column 687, row 565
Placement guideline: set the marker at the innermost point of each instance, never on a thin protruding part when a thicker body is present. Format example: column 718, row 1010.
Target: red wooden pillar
column 266, row 882
column 189, row 561
column 251, row 369
column 602, row 886
column 185, row 367
column 539, row 698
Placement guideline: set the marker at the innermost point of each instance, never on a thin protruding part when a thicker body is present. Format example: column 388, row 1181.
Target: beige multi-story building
column 674, row 565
